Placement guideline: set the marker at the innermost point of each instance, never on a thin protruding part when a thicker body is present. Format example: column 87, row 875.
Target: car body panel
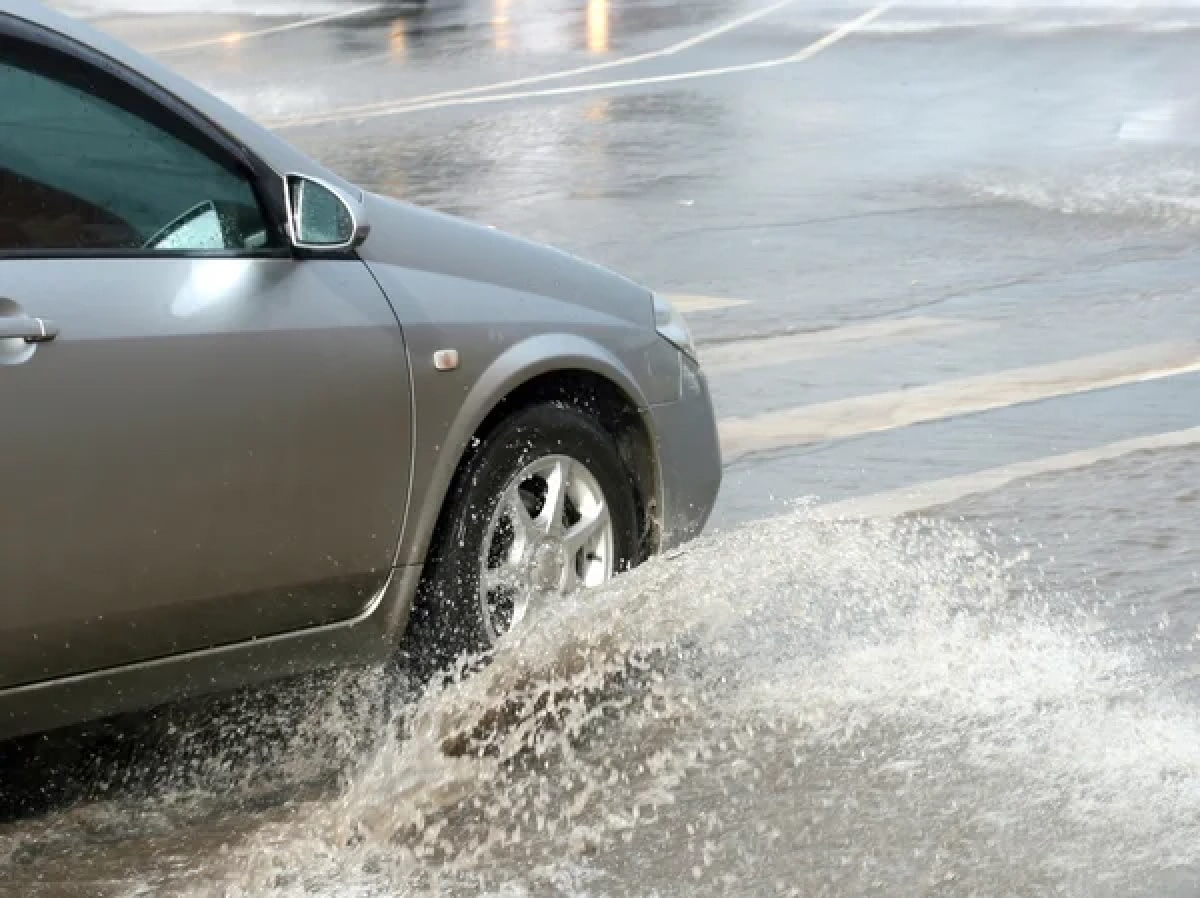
column 512, row 310
column 366, row 639
column 425, row 240
column 233, row 467
column 688, row 449
column 212, row 450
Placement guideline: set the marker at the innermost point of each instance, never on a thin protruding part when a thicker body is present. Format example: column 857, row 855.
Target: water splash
column 1166, row 193
column 796, row 707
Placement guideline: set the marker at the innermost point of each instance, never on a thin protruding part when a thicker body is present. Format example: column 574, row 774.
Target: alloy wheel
column 550, row 535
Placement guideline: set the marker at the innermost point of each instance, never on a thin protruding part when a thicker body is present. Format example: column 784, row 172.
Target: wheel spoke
column 571, row 581
column 523, row 524
column 584, row 533
column 540, row 556
column 550, row 518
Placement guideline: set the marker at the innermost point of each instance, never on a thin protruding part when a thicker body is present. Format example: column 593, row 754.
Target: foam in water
column 793, row 708
column 1164, row 191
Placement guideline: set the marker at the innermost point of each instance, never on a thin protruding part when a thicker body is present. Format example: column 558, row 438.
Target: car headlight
column 672, row 327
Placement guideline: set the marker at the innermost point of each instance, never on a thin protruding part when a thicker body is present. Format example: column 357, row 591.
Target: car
column 261, row 422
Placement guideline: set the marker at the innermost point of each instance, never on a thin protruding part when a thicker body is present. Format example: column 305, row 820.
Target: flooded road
column 941, row 637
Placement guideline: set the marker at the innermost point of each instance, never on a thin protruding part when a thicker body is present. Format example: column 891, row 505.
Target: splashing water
column 1168, row 194
column 794, row 708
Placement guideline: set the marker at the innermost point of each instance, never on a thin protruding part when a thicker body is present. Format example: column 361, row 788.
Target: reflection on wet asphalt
column 958, row 239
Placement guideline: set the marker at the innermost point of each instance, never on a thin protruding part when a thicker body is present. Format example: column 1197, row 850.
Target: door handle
column 31, row 330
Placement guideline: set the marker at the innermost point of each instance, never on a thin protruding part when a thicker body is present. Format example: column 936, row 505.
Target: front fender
column 445, row 431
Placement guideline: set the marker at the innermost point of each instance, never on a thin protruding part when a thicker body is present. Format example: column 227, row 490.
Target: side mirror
column 321, row 217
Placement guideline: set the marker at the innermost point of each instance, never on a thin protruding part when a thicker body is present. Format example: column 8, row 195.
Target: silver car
column 258, row 421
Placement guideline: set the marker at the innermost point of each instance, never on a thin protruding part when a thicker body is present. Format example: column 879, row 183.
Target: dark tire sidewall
column 452, row 613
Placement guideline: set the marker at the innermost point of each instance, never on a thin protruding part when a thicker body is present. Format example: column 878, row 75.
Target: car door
column 204, row 438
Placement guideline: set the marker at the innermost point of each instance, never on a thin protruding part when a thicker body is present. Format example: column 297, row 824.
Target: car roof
column 274, row 151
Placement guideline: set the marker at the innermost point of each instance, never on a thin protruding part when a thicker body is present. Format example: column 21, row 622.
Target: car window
column 78, row 172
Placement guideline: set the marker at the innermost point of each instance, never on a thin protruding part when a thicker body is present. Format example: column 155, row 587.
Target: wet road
column 943, row 265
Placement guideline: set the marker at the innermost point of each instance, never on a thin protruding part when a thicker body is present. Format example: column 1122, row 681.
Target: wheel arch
column 547, row 368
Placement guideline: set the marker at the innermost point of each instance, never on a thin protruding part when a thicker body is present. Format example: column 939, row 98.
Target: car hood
column 421, row 239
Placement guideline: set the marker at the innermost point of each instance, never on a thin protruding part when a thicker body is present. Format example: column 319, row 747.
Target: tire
column 451, row 619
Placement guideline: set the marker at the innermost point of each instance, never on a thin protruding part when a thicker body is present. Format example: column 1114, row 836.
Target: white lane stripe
column 767, row 351
column 935, row 493
column 402, row 107
column 239, row 36
column 691, row 302
column 695, row 41
column 724, row 28
column 804, row 425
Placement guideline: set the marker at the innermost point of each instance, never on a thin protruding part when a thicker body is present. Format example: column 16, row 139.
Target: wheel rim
column 550, row 535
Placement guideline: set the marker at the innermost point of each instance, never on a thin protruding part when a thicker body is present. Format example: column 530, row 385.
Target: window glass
column 78, row 172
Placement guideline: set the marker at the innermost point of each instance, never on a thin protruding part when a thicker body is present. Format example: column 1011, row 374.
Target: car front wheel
column 543, row 508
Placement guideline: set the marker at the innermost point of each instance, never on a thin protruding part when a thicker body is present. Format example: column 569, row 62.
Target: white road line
column 689, row 303
column 732, row 25
column 935, row 493
column 696, row 40
column 240, row 36
column 406, row 106
column 760, row 353
column 805, row 425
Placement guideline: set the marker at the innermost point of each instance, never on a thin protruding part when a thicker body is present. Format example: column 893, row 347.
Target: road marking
column 237, row 37
column 935, row 493
column 767, row 351
column 690, row 303
column 702, row 37
column 732, row 25
column 805, row 425
column 401, row 107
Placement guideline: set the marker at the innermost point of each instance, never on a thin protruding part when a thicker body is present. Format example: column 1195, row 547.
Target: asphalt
column 1027, row 171
column 916, row 244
